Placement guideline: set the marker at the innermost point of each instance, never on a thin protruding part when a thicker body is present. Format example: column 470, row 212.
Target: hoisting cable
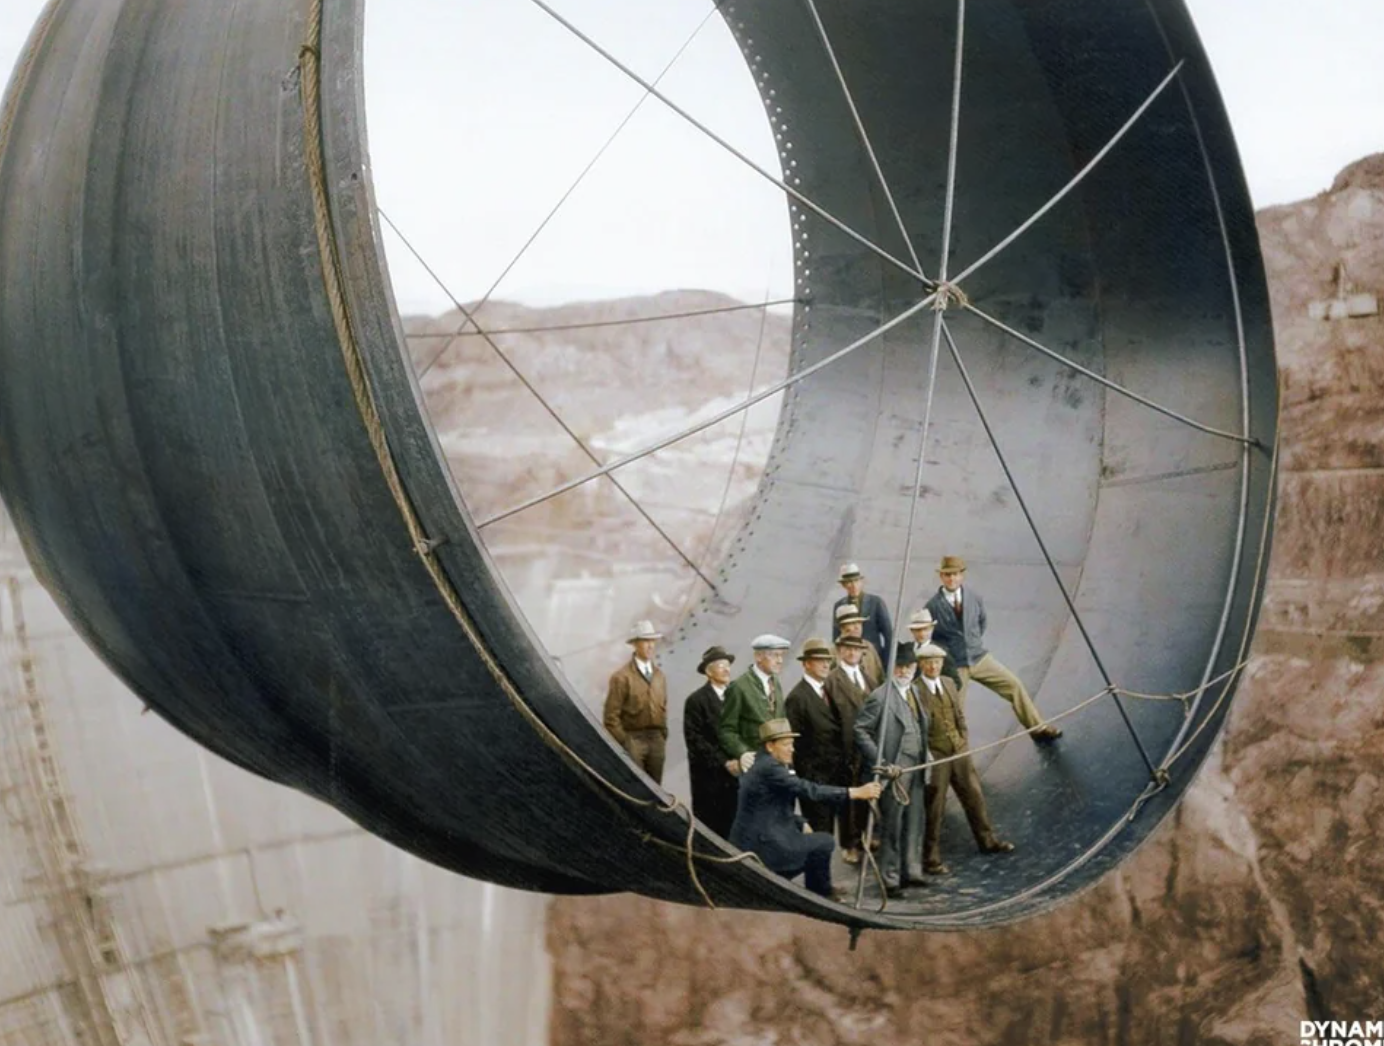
column 1047, row 557
column 548, row 407
column 690, row 314
column 939, row 310
column 562, row 200
column 363, row 393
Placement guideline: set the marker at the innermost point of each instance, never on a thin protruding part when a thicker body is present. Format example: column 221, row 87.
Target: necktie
column 645, row 673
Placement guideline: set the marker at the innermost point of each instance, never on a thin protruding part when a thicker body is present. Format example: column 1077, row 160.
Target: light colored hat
column 849, row 572
column 848, row 614
column 815, row 649
column 951, row 563
column 643, row 630
column 774, row 729
column 769, row 641
column 921, row 618
column 927, row 650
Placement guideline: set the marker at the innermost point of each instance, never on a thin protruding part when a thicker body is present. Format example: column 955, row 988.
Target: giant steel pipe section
column 186, row 457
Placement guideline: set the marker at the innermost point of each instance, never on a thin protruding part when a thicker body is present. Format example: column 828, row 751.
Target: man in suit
column 947, row 738
column 764, row 819
column 636, row 704
column 879, row 629
column 821, row 749
column 960, row 615
column 753, row 699
column 891, row 733
column 920, row 624
column 847, row 687
column 714, row 778
column 850, row 623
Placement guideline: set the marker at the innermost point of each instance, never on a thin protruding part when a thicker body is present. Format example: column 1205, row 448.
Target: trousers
column 648, row 748
column 992, row 675
column 962, row 778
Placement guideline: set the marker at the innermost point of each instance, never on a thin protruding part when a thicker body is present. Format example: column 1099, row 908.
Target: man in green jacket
column 752, row 699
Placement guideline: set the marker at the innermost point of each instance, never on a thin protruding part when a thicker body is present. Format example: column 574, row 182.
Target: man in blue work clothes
column 764, row 819
column 878, row 627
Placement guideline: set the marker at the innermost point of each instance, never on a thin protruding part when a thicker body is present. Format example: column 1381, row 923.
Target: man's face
column 854, row 587
column 817, row 667
column 850, row 655
column 719, row 672
column 951, row 579
column 854, row 629
column 770, row 662
column 931, row 666
column 644, row 649
column 922, row 633
column 904, row 672
column 782, row 750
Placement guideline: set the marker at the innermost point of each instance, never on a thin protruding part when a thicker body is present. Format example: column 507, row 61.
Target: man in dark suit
column 821, row 749
column 765, row 822
column 878, row 629
column 960, row 615
column 752, row 699
column 636, row 704
column 947, row 738
column 848, row 686
column 714, row 778
column 891, row 733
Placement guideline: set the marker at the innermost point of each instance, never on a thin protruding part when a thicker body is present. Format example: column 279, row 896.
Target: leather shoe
column 999, row 846
column 839, row 894
column 936, row 868
column 1046, row 734
column 850, row 856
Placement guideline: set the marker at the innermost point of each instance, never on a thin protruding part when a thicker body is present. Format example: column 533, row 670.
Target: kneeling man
column 764, row 819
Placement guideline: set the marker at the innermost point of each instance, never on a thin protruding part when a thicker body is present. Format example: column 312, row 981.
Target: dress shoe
column 851, row 856
column 839, row 894
column 936, row 868
column 1046, row 735
column 999, row 846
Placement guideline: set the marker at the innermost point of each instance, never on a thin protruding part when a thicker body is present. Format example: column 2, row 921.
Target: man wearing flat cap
column 848, row 686
column 891, row 732
column 960, row 615
column 820, row 753
column 878, row 628
column 714, row 777
column 921, row 625
column 764, row 819
column 849, row 623
column 636, row 704
column 947, row 740
column 752, row 700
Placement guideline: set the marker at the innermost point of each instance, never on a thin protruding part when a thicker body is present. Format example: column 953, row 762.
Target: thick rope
column 363, row 394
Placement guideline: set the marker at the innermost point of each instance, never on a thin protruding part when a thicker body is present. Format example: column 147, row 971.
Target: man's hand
column 733, row 767
column 746, row 761
column 867, row 791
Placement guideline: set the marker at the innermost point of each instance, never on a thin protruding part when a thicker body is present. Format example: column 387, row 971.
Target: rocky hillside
column 1259, row 905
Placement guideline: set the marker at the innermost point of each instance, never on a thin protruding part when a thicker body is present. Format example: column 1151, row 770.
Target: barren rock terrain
column 1259, row 905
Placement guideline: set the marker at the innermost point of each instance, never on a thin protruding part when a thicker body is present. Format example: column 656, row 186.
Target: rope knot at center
column 949, row 294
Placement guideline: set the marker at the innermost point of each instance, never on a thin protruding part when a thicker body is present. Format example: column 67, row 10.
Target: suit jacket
column 878, row 628
column 745, row 707
column 764, row 818
column 886, row 713
column 947, row 733
column 633, row 703
column 964, row 640
column 873, row 668
column 821, row 753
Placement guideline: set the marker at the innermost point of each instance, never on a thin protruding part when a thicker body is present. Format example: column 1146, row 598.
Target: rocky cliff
column 1260, row 904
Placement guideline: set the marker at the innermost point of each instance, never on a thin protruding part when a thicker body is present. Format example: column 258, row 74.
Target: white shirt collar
column 646, row 667
column 763, row 678
column 816, row 686
column 719, row 691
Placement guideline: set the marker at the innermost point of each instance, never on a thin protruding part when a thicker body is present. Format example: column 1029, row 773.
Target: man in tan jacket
column 636, row 704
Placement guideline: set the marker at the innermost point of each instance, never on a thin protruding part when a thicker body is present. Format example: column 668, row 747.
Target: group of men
column 826, row 746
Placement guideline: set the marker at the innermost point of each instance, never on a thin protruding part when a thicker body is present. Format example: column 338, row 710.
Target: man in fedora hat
column 947, row 740
column 847, row 685
column 714, row 777
column 753, row 699
column 764, row 819
column 921, row 625
column 851, row 624
column 821, row 751
column 636, row 704
column 960, row 615
column 891, row 732
column 878, row 628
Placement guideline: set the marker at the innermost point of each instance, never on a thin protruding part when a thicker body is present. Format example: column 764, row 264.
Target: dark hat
column 903, row 654
column 714, row 653
column 815, row 649
column 950, row 563
column 859, row 642
column 774, row 729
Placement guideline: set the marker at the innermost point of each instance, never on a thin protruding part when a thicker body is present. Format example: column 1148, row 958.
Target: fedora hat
column 927, row 650
column 815, row 649
column 849, row 572
column 950, row 563
column 858, row 642
column 643, row 630
column 775, row 729
column 714, row 653
column 921, row 619
column 848, row 614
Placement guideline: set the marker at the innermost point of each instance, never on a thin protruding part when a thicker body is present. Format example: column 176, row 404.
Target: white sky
column 482, row 112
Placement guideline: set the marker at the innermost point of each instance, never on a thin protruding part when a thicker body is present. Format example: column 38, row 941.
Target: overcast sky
column 482, row 113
